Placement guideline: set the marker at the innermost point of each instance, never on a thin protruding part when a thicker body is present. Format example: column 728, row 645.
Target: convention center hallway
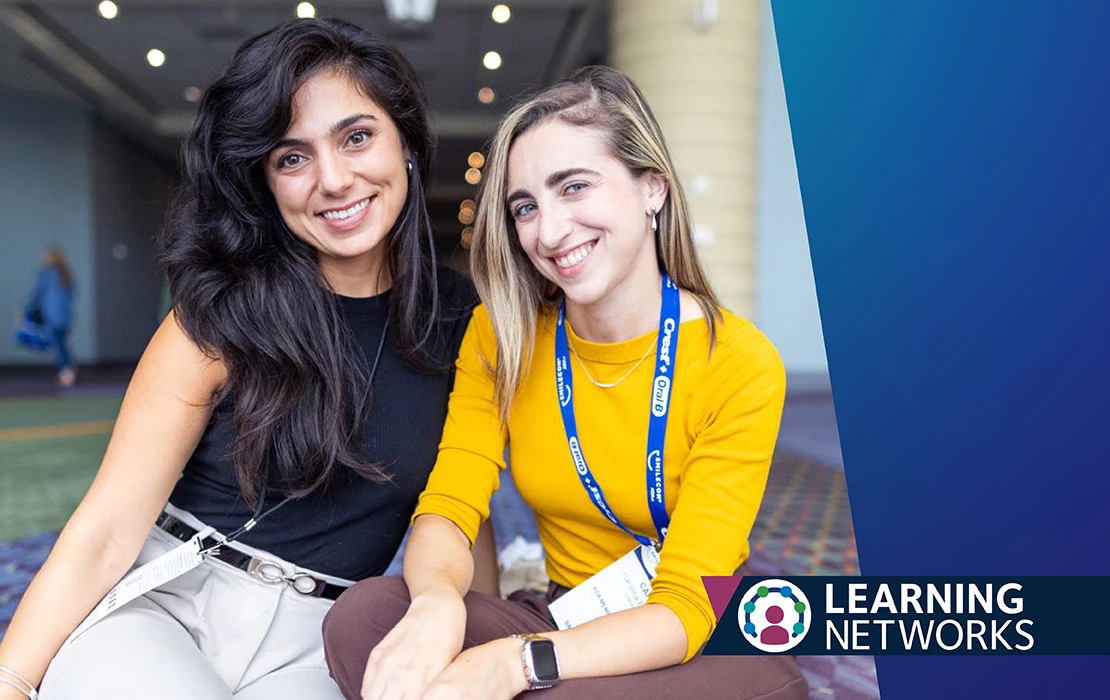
column 51, row 441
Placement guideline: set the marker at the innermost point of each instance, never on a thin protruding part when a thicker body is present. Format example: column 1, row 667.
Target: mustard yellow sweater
column 724, row 419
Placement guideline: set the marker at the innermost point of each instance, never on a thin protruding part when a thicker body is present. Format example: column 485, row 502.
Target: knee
column 366, row 611
column 357, row 621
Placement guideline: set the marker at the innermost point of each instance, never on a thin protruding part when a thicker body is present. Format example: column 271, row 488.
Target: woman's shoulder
column 456, row 290
column 480, row 325
column 737, row 330
column 457, row 301
column 743, row 353
column 180, row 361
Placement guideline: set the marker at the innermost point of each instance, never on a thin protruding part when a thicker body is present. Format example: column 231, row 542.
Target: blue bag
column 30, row 334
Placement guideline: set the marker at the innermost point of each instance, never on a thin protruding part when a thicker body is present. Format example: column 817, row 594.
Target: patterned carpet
column 19, row 560
column 804, row 528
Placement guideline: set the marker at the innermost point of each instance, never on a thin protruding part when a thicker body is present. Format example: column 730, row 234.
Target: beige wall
column 703, row 85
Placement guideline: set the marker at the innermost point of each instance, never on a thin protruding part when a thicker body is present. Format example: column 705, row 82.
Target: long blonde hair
column 514, row 292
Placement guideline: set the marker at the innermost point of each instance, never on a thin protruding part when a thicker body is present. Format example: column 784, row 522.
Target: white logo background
column 659, row 397
column 760, row 607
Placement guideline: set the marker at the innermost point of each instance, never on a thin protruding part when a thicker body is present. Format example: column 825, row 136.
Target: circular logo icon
column 774, row 615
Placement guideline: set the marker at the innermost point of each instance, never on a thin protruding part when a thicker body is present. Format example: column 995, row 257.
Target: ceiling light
column 476, row 160
column 501, row 14
column 492, row 60
column 193, row 93
column 306, row 10
column 155, row 57
column 473, row 176
column 108, row 9
column 485, row 95
column 410, row 11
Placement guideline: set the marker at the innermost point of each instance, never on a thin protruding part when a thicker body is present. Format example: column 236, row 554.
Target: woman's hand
column 422, row 644
column 492, row 671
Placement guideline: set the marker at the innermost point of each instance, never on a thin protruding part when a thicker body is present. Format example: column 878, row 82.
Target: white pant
column 214, row 633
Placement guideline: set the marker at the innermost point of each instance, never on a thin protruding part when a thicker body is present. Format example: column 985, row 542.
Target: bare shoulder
column 173, row 361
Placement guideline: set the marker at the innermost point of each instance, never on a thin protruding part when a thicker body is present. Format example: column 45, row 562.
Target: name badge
column 623, row 585
column 145, row 578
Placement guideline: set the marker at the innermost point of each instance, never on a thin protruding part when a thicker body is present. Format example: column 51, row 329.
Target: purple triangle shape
column 720, row 590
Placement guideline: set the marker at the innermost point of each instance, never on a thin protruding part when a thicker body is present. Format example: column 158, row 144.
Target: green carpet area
column 29, row 412
column 42, row 480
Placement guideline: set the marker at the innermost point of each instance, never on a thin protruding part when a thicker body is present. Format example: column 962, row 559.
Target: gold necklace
column 601, row 385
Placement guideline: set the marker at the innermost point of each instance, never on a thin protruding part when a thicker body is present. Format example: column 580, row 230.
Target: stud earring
column 408, row 164
column 654, row 221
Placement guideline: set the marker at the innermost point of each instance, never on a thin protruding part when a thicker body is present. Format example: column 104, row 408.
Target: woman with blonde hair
column 584, row 259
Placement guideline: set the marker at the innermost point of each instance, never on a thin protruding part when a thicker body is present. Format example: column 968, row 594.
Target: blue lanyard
column 666, row 350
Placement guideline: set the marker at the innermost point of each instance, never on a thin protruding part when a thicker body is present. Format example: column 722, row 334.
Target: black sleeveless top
column 352, row 529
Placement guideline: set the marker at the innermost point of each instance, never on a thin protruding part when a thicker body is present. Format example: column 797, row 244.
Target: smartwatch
column 541, row 662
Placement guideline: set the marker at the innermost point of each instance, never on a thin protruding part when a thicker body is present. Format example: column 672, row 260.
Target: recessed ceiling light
column 486, row 96
column 108, row 9
column 193, row 93
column 501, row 13
column 476, row 160
column 492, row 60
column 306, row 10
column 473, row 176
column 155, row 57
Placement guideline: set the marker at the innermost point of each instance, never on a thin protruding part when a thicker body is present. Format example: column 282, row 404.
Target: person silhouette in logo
column 773, row 633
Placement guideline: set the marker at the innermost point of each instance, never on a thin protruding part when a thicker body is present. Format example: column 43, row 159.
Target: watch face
column 544, row 664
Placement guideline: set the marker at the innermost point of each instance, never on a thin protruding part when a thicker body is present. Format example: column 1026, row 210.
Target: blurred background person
column 50, row 305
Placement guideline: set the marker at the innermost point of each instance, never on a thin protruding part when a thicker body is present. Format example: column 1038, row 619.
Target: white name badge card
column 623, row 585
column 147, row 577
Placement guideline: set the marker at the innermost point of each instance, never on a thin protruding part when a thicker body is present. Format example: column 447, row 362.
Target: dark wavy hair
column 250, row 293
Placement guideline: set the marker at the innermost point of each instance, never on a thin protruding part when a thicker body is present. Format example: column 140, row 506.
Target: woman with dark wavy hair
column 286, row 415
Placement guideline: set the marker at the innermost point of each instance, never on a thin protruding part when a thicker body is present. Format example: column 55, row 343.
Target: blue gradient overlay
column 954, row 161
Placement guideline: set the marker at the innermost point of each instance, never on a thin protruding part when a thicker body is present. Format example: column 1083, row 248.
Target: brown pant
column 368, row 611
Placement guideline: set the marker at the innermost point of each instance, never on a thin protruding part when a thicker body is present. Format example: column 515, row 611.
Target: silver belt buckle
column 265, row 570
column 272, row 573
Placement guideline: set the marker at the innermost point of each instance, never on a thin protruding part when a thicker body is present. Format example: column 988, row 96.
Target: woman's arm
column 723, row 478
column 439, row 567
column 167, row 405
column 437, row 559
column 641, row 639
